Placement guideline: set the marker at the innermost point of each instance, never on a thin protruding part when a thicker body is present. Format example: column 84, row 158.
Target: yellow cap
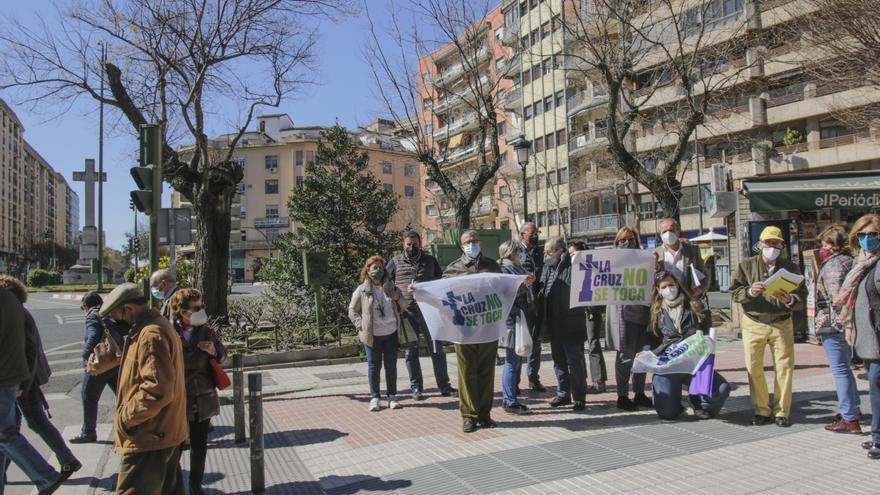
column 771, row 233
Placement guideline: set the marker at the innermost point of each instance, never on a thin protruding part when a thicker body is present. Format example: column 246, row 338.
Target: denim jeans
column 92, row 388
column 510, row 377
column 14, row 447
column 839, row 356
column 570, row 366
column 667, row 395
column 874, row 383
column 435, row 350
column 383, row 352
column 32, row 408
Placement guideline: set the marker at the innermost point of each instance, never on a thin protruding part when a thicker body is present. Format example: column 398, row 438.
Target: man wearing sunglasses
column 767, row 321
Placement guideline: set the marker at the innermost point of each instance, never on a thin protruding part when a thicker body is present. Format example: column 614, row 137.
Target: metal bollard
column 255, row 398
column 238, row 397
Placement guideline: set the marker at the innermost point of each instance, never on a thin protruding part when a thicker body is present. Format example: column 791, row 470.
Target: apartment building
column 274, row 159
column 534, row 30
column 450, row 126
column 37, row 203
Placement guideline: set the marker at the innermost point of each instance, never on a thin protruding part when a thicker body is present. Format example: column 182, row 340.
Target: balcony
column 512, row 101
column 597, row 224
column 455, row 100
column 271, row 222
column 458, row 155
column 511, row 37
column 483, row 209
column 585, row 100
column 463, row 123
column 584, row 142
column 455, row 71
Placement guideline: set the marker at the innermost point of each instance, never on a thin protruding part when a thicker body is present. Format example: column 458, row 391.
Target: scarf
column 675, row 310
column 849, row 290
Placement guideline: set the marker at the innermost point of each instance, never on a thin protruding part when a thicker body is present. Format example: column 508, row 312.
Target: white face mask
column 669, row 292
column 669, row 238
column 770, row 253
column 198, row 318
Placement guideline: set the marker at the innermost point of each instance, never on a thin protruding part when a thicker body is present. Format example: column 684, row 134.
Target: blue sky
column 344, row 93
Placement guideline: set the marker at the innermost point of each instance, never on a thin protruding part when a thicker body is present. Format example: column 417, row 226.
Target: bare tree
column 443, row 54
column 176, row 63
column 844, row 37
column 667, row 69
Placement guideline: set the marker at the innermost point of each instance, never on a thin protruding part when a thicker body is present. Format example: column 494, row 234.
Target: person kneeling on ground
column 675, row 317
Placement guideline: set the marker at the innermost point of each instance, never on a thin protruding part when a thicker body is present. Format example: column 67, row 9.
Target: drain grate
column 339, row 375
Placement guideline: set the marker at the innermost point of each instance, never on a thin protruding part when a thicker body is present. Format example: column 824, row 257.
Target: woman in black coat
column 200, row 346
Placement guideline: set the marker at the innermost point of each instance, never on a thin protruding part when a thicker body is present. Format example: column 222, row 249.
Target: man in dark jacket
column 531, row 257
column 766, row 321
column 415, row 265
column 163, row 285
column 566, row 327
column 14, row 373
column 476, row 362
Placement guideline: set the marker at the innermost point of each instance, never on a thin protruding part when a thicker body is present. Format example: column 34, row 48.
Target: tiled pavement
column 322, row 439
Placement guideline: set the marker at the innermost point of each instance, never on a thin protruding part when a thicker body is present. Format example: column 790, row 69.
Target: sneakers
column 417, row 395
column 449, row 392
column 560, row 401
column 702, row 414
column 374, row 405
column 393, row 403
column 843, row 426
column 625, row 404
column 759, row 420
column 516, row 409
column 84, row 439
column 642, row 400
column 468, row 426
column 67, row 470
column 874, row 452
column 537, row 386
column 782, row 422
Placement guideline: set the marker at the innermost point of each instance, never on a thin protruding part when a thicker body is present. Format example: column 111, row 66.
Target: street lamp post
column 522, row 148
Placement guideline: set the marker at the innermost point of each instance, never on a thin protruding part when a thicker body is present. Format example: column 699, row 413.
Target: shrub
column 42, row 278
column 130, row 275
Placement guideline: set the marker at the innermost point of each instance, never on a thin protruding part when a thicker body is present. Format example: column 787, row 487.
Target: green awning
column 843, row 193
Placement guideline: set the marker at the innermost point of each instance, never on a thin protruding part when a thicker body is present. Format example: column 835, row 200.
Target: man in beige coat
column 151, row 421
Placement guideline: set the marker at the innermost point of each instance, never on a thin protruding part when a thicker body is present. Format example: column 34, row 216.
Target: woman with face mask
column 200, row 346
column 375, row 310
column 859, row 300
column 834, row 263
column 675, row 317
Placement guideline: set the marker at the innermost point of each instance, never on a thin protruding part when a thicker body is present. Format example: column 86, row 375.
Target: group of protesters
column 162, row 368
column 385, row 311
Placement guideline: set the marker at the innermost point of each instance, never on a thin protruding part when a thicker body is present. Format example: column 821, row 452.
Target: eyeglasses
column 865, row 235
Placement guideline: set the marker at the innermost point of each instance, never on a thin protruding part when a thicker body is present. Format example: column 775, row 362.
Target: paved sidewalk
column 323, row 440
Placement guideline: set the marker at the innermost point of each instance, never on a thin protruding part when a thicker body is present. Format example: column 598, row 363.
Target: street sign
column 178, row 221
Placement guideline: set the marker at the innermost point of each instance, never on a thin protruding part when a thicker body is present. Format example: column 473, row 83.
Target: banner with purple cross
column 612, row 276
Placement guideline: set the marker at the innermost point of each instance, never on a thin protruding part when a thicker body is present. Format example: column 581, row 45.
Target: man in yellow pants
column 767, row 320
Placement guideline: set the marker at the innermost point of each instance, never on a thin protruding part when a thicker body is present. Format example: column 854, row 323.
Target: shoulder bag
column 105, row 356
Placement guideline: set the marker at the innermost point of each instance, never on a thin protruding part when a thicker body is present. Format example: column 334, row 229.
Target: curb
column 68, row 297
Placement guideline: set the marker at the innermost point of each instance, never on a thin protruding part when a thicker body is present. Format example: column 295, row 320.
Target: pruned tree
column 177, row 63
column 844, row 41
column 435, row 54
column 667, row 68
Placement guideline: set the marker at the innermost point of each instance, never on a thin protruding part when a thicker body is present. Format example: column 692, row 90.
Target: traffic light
column 148, row 174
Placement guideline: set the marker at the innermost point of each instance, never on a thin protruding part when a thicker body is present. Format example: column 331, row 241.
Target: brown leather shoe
column 843, row 426
column 469, row 426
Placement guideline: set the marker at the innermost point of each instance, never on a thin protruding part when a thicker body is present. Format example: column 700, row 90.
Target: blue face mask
column 868, row 243
column 472, row 249
column 157, row 294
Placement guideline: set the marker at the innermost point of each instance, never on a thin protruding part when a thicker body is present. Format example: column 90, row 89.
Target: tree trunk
column 213, row 222
column 669, row 197
column 463, row 217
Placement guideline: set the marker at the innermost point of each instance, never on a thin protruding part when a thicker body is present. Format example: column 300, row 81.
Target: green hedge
column 42, row 278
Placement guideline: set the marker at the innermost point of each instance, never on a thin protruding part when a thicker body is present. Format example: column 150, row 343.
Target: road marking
column 65, row 346
column 59, row 319
column 65, row 361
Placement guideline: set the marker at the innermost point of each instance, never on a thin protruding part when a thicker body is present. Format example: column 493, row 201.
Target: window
column 548, row 103
column 542, row 219
column 545, row 30
column 511, row 19
column 499, row 64
column 271, row 211
column 599, row 89
column 272, row 163
column 536, row 72
column 562, row 176
column 300, row 181
column 409, row 191
column 539, row 144
column 833, row 129
column 503, row 192
column 409, row 170
column 560, row 99
column 272, row 186
column 428, row 129
column 549, row 141
column 499, row 33
column 427, row 104
column 601, row 127
column 387, row 168
column 534, row 37
column 240, row 161
column 527, row 112
column 551, row 217
column 388, row 187
column 560, row 136
column 546, row 66
column 526, row 77
column 524, row 42
column 537, row 108
column 272, row 234
column 243, row 234
column 299, row 161
column 431, row 210
column 502, row 128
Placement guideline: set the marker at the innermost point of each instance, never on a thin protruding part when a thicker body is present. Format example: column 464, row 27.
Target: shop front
column 803, row 205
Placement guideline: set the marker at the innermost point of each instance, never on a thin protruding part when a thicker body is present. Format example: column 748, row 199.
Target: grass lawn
column 70, row 288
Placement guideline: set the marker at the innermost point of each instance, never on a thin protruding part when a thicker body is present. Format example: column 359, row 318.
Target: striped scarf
column 849, row 290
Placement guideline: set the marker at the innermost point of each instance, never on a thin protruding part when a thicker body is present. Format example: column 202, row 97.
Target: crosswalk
column 70, row 319
column 65, row 360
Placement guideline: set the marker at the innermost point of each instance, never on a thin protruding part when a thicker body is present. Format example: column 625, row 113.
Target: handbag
column 523, row 338
column 221, row 379
column 105, row 356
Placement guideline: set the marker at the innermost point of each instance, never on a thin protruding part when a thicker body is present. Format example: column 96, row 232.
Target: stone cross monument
column 88, row 247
